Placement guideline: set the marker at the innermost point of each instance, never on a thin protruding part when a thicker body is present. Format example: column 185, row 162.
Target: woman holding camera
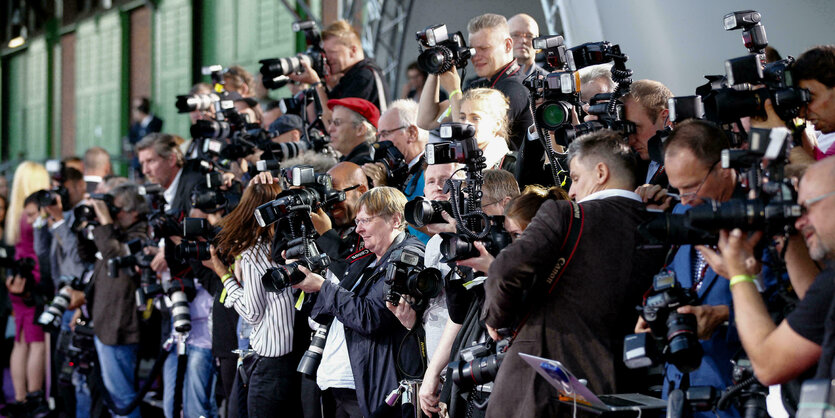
column 27, row 362
column 378, row 348
column 274, row 383
column 486, row 109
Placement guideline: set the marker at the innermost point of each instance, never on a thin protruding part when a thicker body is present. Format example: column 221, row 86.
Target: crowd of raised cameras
column 475, row 248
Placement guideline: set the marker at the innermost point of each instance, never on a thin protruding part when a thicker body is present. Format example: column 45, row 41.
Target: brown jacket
column 583, row 321
column 115, row 315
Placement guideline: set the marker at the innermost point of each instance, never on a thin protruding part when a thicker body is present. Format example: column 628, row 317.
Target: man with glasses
column 353, row 128
column 692, row 154
column 523, row 29
column 783, row 352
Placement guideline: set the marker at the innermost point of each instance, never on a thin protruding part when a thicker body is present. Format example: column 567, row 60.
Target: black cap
column 286, row 123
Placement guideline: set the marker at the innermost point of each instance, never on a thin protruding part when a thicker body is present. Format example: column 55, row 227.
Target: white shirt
column 415, row 160
column 170, row 193
column 436, row 314
column 612, row 193
column 495, row 152
column 653, row 168
column 335, row 357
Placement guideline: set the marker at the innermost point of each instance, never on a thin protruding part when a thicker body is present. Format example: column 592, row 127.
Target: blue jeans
column 117, row 363
column 198, row 385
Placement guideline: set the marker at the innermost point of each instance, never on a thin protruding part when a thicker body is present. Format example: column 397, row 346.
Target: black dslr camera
column 397, row 169
column 52, row 315
column 50, row 197
column 24, row 267
column 406, row 276
column 191, row 248
column 421, row 212
column 274, row 71
column 440, row 51
column 480, row 364
column 85, row 215
column 559, row 89
column 303, row 249
column 313, row 191
column 675, row 333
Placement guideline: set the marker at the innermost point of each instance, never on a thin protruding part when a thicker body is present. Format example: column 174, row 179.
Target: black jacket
column 359, row 81
column 373, row 334
column 361, row 154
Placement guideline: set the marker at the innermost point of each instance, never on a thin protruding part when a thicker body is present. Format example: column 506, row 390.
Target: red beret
column 361, row 106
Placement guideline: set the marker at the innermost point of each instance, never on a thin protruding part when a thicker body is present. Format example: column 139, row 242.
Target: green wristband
column 742, row 278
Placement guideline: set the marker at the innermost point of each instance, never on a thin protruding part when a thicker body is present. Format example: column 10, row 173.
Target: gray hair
column 488, row 21
column 407, row 113
column 608, row 147
column 594, row 72
column 370, row 130
column 131, row 199
column 321, row 162
column 164, row 145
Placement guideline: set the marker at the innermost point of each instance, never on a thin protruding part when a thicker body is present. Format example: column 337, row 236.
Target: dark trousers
column 345, row 402
column 274, row 388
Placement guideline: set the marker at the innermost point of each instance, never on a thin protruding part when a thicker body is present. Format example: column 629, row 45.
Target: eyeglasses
column 384, row 134
column 692, row 195
column 365, row 221
column 520, row 35
column 337, row 122
column 807, row 205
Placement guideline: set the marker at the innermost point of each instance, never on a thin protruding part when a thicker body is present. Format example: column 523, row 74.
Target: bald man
column 523, row 29
column 96, row 167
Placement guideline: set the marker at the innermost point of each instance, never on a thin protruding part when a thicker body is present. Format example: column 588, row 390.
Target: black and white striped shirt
column 271, row 314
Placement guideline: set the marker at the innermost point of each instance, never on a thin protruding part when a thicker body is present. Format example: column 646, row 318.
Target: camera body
column 406, row 276
column 311, row 191
column 421, row 212
column 303, row 249
column 480, row 364
column 455, row 247
column 459, row 146
column 274, row 71
column 397, row 169
column 675, row 332
column 440, row 51
column 52, row 315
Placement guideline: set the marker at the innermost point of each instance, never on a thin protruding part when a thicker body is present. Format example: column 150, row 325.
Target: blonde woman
column 486, row 109
column 27, row 360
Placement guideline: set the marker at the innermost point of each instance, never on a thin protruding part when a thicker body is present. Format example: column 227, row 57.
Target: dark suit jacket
column 188, row 181
column 582, row 323
column 137, row 131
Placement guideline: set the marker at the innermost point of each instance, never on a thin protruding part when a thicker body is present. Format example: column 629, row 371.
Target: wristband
column 741, row 278
column 226, row 277
column 318, row 83
column 455, row 91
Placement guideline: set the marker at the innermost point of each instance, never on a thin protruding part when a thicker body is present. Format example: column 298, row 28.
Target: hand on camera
column 307, row 75
column 265, row 177
column 771, row 120
column 376, row 172
column 321, row 221
column 404, row 312
column 708, row 317
column 214, row 262
column 16, row 284
column 158, row 264
column 735, row 255
column 482, row 262
column 449, row 226
column 77, row 298
column 312, row 282
column 450, row 80
column 493, row 333
column 654, row 196
column 641, row 326
column 55, row 212
column 102, row 212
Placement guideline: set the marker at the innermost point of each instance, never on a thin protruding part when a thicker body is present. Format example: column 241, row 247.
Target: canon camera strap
column 566, row 254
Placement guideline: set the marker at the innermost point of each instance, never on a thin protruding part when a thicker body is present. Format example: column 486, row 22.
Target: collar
column 170, row 193
column 415, row 160
column 508, row 70
column 147, row 121
column 93, row 179
column 604, row 194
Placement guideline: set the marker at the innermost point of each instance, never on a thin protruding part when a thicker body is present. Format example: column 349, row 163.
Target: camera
column 397, row 169
column 313, row 356
column 440, row 51
column 421, row 212
column 79, row 350
column 50, row 319
column 196, row 102
column 675, row 332
column 406, row 276
column 456, row 247
column 50, row 197
column 85, row 215
column 274, row 71
column 556, row 53
column 480, row 364
column 314, row 190
column 753, row 32
column 303, row 248
column 460, row 146
column 24, row 266
column 559, row 90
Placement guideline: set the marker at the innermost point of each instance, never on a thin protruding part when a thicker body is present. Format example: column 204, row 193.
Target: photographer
column 489, row 35
column 115, row 317
column 379, row 350
column 582, row 323
column 353, row 128
column 273, row 383
column 486, row 109
column 523, row 30
column 351, row 74
column 814, row 70
column 594, row 79
column 646, row 106
column 692, row 158
column 97, row 167
column 779, row 353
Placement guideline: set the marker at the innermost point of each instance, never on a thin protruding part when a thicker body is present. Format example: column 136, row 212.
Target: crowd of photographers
column 463, row 252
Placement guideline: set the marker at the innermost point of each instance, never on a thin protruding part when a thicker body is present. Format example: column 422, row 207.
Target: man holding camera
column 581, row 323
column 351, row 73
column 493, row 61
column 646, row 106
column 353, row 128
column 692, row 158
column 398, row 124
column 115, row 317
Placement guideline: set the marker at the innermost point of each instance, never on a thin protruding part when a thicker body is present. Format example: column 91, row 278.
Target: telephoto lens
column 685, row 350
column 180, row 314
column 50, row 318
column 421, row 212
column 313, row 356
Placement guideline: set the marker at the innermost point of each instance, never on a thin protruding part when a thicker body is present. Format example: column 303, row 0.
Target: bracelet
column 455, row 91
column 318, row 83
column 741, row 278
column 226, row 277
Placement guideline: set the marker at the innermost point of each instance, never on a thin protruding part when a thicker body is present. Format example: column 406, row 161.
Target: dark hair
column 609, row 147
column 71, row 174
column 817, row 63
column 771, row 54
column 163, row 144
column 131, row 199
column 144, row 105
column 414, row 66
column 523, row 208
column 239, row 230
column 703, row 138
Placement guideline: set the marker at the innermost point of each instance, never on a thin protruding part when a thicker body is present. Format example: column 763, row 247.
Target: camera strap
column 566, row 254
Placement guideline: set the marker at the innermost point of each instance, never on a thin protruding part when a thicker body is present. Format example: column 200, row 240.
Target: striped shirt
column 271, row 314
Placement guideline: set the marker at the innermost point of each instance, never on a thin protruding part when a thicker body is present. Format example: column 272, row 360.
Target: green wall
column 26, row 126
column 172, row 62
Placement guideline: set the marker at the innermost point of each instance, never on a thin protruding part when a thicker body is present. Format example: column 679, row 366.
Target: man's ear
column 665, row 117
column 508, row 44
column 601, row 173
